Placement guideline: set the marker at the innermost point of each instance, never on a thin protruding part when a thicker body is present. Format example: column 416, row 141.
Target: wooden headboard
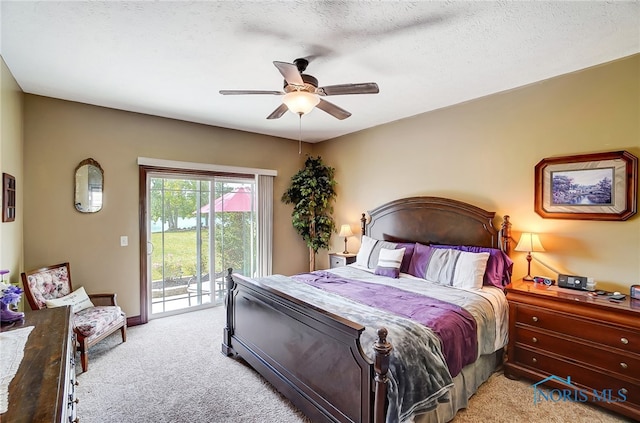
column 436, row 220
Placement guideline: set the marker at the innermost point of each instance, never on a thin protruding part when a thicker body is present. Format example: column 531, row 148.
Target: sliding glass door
column 193, row 240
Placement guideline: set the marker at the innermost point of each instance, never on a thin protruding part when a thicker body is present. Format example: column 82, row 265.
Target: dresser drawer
column 338, row 260
column 581, row 377
column 592, row 355
column 564, row 324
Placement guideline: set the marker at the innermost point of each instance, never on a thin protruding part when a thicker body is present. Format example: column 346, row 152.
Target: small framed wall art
column 600, row 186
column 8, row 198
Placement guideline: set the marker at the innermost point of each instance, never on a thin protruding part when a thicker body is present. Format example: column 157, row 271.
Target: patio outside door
column 193, row 241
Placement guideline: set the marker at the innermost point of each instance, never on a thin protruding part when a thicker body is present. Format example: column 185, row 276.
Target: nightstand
column 340, row 259
column 556, row 333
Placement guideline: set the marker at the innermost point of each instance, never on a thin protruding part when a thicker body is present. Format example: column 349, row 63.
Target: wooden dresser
column 558, row 333
column 43, row 389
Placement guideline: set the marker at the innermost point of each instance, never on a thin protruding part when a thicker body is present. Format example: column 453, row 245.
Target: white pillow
column 366, row 248
column 456, row 268
column 78, row 300
column 469, row 271
column 370, row 251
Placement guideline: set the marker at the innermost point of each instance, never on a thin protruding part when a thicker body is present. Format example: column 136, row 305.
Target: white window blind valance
column 174, row 164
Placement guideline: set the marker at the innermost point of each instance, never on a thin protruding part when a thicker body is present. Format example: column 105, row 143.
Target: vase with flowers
column 9, row 296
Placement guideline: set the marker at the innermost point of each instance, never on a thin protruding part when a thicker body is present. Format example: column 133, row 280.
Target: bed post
column 363, row 223
column 227, row 349
column 382, row 350
column 505, row 234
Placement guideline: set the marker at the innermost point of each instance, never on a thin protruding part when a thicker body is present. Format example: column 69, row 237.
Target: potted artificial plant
column 312, row 191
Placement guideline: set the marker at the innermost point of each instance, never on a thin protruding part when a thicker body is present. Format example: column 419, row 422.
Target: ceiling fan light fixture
column 300, row 102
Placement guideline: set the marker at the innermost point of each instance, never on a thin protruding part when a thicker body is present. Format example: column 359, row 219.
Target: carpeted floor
column 171, row 370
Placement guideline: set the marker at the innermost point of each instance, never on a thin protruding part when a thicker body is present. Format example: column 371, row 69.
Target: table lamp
column 529, row 242
column 345, row 231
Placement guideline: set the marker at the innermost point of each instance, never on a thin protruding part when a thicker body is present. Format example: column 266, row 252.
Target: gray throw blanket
column 455, row 326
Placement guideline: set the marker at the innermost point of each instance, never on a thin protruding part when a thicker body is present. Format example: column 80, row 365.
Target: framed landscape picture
column 600, row 186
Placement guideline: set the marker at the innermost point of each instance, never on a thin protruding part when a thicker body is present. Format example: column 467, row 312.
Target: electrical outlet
column 124, row 241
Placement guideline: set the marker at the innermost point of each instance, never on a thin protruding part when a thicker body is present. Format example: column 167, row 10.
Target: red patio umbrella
column 238, row 200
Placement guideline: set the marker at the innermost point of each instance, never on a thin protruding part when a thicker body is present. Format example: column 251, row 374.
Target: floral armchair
column 95, row 316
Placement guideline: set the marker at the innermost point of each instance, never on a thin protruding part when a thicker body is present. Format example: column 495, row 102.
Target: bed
column 353, row 360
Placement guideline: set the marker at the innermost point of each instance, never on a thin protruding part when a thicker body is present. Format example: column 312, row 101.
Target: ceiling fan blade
column 333, row 110
column 243, row 92
column 277, row 113
column 290, row 72
column 343, row 89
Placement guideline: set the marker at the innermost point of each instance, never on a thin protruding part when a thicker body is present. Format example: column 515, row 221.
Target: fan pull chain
column 300, row 134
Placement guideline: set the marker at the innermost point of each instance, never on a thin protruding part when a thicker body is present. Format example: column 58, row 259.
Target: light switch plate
column 124, row 241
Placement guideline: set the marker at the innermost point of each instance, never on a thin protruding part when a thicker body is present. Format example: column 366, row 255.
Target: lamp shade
column 529, row 242
column 300, row 102
column 345, row 231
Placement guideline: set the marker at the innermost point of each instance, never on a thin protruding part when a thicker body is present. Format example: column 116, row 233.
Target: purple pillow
column 408, row 253
column 419, row 260
column 499, row 265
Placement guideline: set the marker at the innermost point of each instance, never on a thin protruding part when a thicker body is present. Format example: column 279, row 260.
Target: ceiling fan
column 302, row 94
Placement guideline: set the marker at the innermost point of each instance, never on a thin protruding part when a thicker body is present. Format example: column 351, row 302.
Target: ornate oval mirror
column 89, row 181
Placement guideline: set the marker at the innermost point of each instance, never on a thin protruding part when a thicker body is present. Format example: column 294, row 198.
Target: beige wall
column 484, row 152
column 11, row 162
column 59, row 134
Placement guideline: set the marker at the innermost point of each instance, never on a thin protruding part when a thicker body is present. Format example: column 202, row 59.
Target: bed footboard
column 314, row 358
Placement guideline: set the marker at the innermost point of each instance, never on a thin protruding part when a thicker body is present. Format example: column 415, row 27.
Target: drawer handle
column 535, row 339
column 535, row 360
column 535, row 319
column 623, row 365
column 624, row 341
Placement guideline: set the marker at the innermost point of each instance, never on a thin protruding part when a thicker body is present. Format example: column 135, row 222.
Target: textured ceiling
column 171, row 58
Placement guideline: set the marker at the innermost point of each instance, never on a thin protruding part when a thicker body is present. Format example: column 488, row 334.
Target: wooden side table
column 340, row 259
